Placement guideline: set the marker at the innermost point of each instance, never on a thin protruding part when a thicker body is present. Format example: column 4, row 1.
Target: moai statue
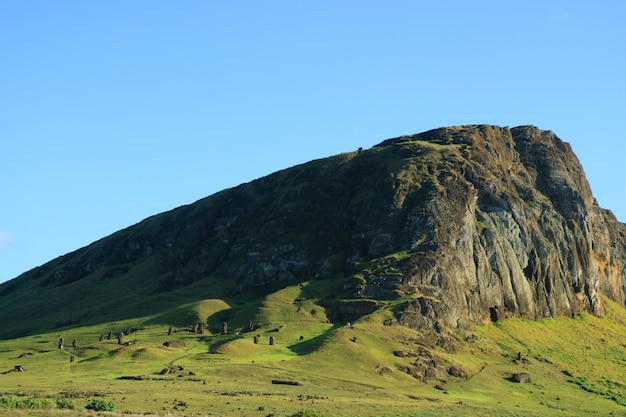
column 72, row 358
column 194, row 328
column 200, row 328
column 101, row 337
column 110, row 335
column 271, row 340
column 224, row 328
column 256, row 339
column 61, row 343
column 74, row 344
column 250, row 327
column 120, row 338
column 170, row 331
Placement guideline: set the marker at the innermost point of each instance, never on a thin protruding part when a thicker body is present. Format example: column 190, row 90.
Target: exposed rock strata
column 507, row 226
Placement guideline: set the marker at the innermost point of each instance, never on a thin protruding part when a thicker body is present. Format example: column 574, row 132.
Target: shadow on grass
column 242, row 310
column 308, row 346
column 214, row 343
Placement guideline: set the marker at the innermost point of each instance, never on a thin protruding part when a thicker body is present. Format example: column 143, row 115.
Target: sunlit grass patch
column 576, row 365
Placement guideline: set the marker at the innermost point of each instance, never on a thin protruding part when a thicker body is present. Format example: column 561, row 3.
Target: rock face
column 477, row 223
column 502, row 224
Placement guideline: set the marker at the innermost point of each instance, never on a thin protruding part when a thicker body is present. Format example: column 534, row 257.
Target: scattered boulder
column 521, row 359
column 171, row 369
column 133, row 378
column 457, row 371
column 521, row 378
column 405, row 354
column 17, row 368
column 174, row 344
column 282, row 382
column 426, row 367
column 384, row 370
column 390, row 322
column 25, row 354
column 441, row 388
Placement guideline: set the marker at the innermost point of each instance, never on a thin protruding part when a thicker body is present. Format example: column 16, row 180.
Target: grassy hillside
column 577, row 366
column 334, row 286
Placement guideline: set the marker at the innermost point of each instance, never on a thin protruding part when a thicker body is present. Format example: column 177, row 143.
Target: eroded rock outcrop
column 505, row 225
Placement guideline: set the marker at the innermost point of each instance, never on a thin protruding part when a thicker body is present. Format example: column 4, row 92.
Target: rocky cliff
column 468, row 224
column 496, row 223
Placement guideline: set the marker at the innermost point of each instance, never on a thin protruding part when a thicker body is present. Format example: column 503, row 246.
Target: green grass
column 577, row 365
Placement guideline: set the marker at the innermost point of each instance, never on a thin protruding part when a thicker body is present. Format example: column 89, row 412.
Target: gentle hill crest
column 457, row 225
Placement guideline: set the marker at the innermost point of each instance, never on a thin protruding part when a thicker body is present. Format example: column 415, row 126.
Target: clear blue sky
column 113, row 111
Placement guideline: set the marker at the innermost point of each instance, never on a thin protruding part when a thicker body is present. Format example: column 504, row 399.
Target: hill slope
column 573, row 367
column 462, row 225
